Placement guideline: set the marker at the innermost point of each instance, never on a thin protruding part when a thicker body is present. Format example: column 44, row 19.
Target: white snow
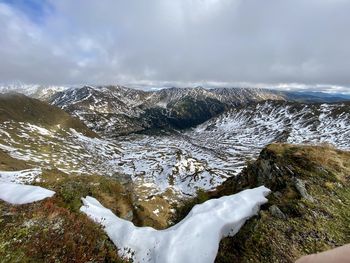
column 195, row 239
column 23, row 194
column 23, row 176
column 13, row 190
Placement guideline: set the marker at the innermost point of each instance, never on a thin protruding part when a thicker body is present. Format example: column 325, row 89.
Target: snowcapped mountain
column 109, row 110
column 117, row 110
column 35, row 91
column 241, row 133
column 245, row 95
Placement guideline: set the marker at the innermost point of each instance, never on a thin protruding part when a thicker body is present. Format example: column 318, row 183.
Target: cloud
column 194, row 41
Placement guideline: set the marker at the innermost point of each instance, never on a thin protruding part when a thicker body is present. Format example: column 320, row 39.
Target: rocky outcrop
column 308, row 211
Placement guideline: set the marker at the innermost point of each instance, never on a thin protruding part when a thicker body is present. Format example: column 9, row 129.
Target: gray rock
column 276, row 212
column 300, row 186
column 277, row 194
column 289, row 170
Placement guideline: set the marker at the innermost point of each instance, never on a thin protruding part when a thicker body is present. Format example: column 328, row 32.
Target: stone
column 300, row 186
column 276, row 212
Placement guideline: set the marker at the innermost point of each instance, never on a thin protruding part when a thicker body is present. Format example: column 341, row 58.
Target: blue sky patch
column 35, row 10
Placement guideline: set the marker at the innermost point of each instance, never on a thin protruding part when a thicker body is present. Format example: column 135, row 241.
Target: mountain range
column 145, row 153
column 172, row 141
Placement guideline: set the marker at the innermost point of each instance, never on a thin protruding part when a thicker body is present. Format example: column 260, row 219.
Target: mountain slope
column 46, row 136
column 239, row 96
column 20, row 108
column 109, row 110
column 178, row 163
column 260, row 123
column 116, row 110
column 41, row 92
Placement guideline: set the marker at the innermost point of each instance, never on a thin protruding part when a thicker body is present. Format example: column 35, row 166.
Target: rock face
column 308, row 211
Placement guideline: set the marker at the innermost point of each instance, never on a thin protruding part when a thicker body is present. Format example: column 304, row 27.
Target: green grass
column 53, row 230
column 19, row 108
column 310, row 227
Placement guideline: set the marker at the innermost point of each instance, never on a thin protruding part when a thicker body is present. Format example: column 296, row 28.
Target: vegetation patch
column 53, row 230
column 46, row 232
column 309, row 226
column 308, row 210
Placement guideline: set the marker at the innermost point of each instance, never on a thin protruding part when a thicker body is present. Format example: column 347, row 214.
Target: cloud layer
column 115, row 41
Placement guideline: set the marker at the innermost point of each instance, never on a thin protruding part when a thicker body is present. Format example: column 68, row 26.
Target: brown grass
column 46, row 232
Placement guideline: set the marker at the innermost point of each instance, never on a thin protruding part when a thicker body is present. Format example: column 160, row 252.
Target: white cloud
column 197, row 41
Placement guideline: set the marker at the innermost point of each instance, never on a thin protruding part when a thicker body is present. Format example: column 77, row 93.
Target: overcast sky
column 227, row 41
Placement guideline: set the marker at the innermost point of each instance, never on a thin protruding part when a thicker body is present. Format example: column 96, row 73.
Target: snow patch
column 23, row 176
column 18, row 194
column 195, row 239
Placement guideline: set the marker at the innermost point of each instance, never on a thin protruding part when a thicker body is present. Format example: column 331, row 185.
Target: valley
column 165, row 161
column 155, row 164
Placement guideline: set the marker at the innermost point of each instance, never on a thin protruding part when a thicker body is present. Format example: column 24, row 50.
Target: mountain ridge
column 129, row 110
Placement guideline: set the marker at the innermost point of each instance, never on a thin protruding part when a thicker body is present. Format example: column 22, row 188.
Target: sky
column 289, row 43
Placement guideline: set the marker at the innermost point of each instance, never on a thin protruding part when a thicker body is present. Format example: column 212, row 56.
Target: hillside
column 20, row 108
column 307, row 212
column 52, row 230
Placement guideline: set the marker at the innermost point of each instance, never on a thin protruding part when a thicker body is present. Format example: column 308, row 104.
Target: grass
column 186, row 206
column 53, row 230
column 11, row 164
column 71, row 188
column 310, row 227
column 47, row 232
column 17, row 107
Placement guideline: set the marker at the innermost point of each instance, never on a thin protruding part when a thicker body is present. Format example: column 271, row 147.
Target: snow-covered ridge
column 115, row 110
column 35, row 91
column 259, row 124
column 195, row 239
